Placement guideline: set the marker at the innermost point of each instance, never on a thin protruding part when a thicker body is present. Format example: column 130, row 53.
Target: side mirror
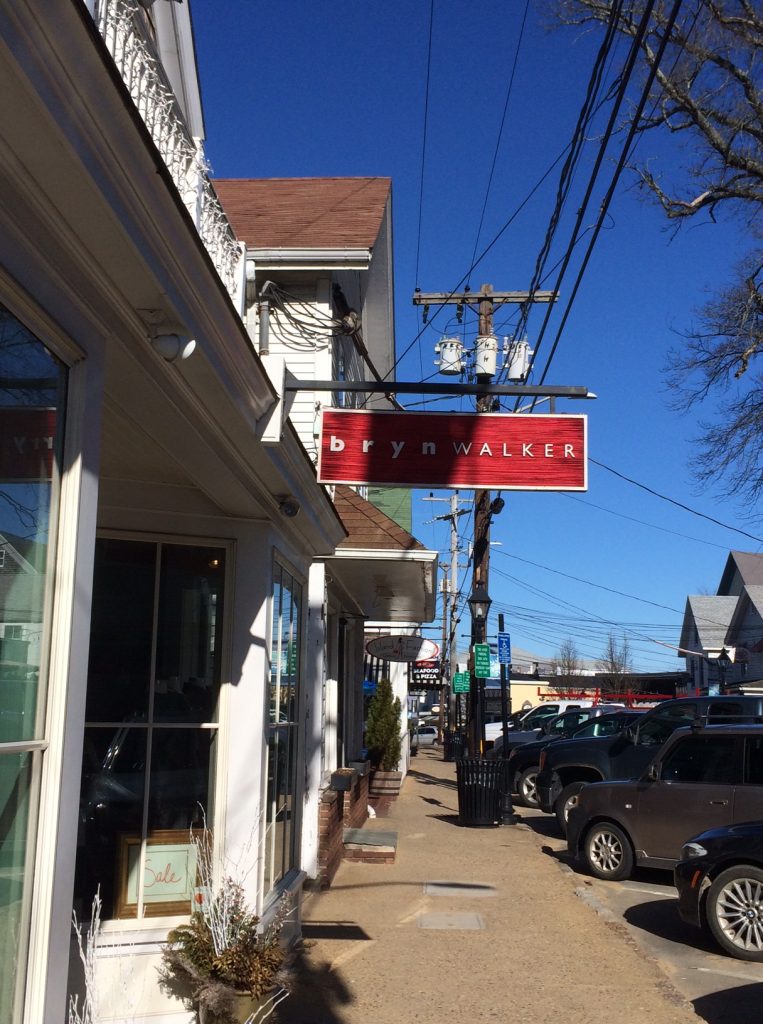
column 630, row 733
column 653, row 772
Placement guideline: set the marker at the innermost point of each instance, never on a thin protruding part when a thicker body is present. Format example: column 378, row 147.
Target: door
column 695, row 791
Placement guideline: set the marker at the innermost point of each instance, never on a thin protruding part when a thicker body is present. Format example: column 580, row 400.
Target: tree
column 383, row 728
column 615, row 664
column 566, row 665
column 708, row 92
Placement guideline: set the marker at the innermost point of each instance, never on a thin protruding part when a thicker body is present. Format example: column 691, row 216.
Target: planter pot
column 343, row 781
column 385, row 783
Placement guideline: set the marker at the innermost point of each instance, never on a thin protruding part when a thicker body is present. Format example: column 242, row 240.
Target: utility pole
column 449, row 594
column 486, row 299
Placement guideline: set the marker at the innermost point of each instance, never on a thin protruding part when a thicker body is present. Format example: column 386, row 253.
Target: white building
column 192, row 650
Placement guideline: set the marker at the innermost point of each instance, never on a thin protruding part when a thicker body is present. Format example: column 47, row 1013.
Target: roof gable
column 711, row 616
column 743, row 568
column 310, row 213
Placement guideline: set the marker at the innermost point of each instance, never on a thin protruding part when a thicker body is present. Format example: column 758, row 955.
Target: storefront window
column 32, row 388
column 285, row 671
column 151, row 731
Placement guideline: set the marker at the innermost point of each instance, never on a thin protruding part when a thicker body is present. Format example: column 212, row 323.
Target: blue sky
column 302, row 88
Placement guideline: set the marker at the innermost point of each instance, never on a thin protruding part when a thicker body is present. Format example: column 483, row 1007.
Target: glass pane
column 15, row 779
column 188, row 639
column 31, row 421
column 120, row 634
column 714, row 760
column 181, row 783
column 111, row 808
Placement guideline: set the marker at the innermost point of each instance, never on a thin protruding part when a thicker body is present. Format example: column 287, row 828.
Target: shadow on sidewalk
column 317, row 993
column 430, row 780
column 731, row 1004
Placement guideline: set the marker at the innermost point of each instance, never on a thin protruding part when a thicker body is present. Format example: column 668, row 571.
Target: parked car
column 567, row 766
column 524, row 761
column 720, row 887
column 702, row 777
column 535, row 717
column 424, row 736
column 559, row 726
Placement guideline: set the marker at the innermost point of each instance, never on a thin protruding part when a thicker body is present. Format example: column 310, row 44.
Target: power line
column 678, row 504
column 500, row 129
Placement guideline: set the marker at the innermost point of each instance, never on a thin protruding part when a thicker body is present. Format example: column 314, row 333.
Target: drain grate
column 451, row 922
column 473, row 889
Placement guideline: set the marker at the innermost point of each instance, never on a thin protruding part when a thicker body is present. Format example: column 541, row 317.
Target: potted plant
column 384, row 741
column 223, row 964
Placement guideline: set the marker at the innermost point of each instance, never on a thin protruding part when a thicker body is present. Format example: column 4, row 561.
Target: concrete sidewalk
column 503, row 937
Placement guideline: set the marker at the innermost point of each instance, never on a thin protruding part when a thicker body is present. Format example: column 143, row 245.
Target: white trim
column 309, row 259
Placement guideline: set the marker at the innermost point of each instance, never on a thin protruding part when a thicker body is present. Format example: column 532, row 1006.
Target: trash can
column 453, row 746
column 479, row 783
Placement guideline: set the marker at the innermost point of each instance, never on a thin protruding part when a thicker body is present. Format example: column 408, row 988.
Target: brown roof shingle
column 367, row 526
column 309, row 213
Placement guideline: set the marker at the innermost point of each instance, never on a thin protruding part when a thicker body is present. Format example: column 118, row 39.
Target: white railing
column 124, row 27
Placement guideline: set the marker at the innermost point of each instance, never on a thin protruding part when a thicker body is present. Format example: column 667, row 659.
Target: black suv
column 566, row 766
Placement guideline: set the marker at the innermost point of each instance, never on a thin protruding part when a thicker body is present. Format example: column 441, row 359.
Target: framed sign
column 490, row 450
column 169, row 874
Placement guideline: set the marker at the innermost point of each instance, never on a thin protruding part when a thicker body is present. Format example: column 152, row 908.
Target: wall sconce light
column 173, row 347
column 288, row 507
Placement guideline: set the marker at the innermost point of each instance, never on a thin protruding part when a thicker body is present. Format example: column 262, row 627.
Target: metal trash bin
column 479, row 783
column 453, row 746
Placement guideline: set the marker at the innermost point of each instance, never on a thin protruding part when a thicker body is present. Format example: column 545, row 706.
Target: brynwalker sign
column 485, row 450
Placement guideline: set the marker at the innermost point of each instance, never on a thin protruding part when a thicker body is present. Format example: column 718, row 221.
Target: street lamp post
column 724, row 663
column 479, row 606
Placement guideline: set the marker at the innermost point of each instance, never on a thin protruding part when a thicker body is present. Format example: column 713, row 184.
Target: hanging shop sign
column 485, row 450
column 393, row 647
column 426, row 674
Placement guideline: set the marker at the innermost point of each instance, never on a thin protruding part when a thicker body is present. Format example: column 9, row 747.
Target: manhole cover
column 475, row 889
column 454, row 922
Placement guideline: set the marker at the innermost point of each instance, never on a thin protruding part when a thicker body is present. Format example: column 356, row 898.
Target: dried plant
column 223, row 951
column 88, row 1013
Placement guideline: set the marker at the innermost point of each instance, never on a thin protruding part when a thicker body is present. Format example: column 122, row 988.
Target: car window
column 753, row 775
column 714, row 760
column 656, row 729
column 722, row 711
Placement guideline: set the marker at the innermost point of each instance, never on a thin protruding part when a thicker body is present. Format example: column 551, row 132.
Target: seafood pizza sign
column 486, row 450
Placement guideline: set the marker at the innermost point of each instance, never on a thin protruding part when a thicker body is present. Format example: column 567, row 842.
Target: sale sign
column 499, row 451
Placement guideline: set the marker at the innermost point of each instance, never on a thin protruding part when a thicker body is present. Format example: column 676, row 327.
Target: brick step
column 370, row 846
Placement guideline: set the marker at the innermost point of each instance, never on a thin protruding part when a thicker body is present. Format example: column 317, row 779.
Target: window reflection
column 282, row 741
column 32, row 393
column 153, row 686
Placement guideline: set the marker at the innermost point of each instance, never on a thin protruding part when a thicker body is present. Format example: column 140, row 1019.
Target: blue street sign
column 504, row 648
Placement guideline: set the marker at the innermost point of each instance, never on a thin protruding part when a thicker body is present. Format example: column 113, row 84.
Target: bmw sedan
column 720, row 887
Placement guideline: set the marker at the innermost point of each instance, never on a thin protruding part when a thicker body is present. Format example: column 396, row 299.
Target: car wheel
column 734, row 910
column 608, row 853
column 563, row 803
column 527, row 789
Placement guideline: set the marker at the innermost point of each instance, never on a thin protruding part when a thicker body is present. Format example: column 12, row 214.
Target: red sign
column 485, row 450
column 26, row 443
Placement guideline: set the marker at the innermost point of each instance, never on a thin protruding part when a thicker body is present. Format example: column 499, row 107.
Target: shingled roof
column 309, row 213
column 367, row 526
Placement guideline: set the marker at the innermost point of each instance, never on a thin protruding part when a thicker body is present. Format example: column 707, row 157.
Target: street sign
column 460, row 682
column 482, row 661
column 518, row 452
column 504, row 648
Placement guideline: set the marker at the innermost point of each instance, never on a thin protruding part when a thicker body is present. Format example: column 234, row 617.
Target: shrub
column 383, row 728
